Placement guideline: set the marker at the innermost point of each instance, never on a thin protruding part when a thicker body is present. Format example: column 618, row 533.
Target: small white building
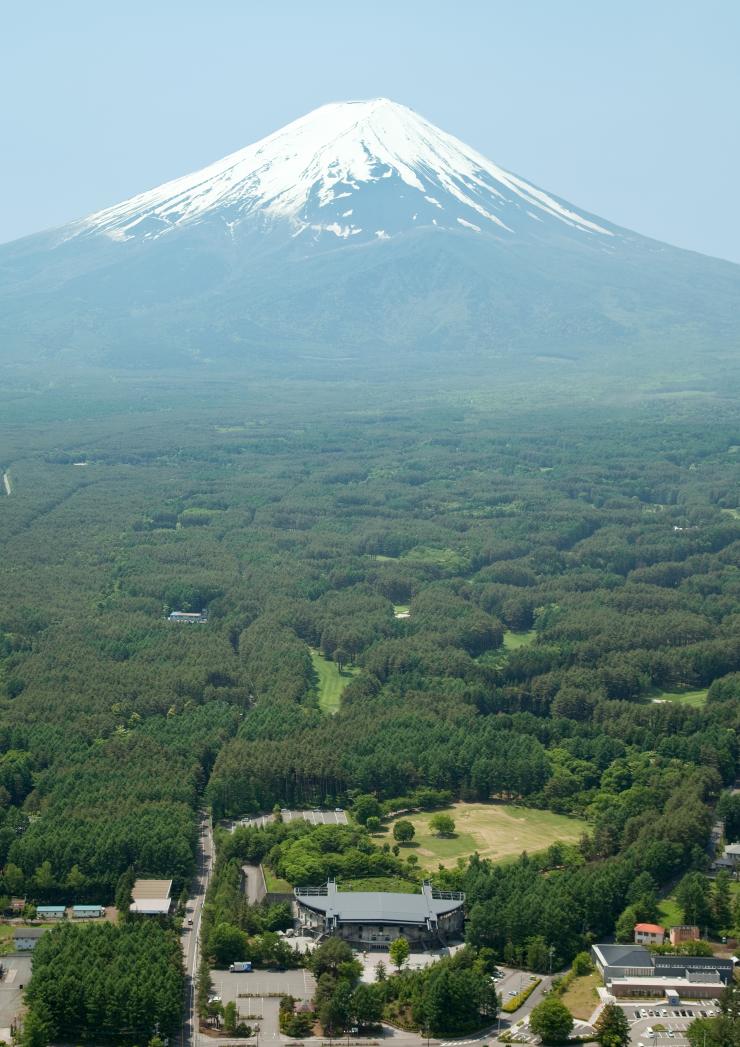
column 87, row 912
column 649, row 934
column 731, row 857
column 25, row 938
column 51, row 912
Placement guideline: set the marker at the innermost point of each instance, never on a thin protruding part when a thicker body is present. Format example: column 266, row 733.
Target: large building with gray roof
column 630, row 970
column 372, row 919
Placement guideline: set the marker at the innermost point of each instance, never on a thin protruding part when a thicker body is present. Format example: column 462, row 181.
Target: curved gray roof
column 379, row 906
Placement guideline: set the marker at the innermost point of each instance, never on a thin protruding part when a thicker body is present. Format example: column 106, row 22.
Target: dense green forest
column 122, row 984
column 609, row 535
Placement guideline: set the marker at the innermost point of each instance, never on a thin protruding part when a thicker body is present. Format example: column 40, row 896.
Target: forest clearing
column 494, row 831
column 331, row 681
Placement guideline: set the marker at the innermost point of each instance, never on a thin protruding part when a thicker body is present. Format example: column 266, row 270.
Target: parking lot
column 16, row 977
column 314, row 817
column 663, row 1025
column 257, row 995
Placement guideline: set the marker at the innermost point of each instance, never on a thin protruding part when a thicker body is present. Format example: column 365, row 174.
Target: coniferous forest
column 606, row 538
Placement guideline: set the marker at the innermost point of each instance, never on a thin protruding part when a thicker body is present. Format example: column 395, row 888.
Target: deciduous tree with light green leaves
column 442, row 824
column 399, row 952
column 404, row 831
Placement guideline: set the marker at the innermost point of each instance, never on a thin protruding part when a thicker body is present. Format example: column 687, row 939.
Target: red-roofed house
column 649, row 934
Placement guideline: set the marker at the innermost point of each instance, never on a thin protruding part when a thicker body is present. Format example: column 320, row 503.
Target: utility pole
column 551, row 953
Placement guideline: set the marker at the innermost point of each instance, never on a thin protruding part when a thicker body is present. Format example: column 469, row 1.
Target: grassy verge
column 581, row 997
column 275, row 885
column 330, row 681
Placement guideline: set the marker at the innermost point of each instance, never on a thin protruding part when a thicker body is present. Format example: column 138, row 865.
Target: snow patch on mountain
column 395, row 167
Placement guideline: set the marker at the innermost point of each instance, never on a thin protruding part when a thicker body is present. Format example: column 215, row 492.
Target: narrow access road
column 191, row 934
column 254, row 883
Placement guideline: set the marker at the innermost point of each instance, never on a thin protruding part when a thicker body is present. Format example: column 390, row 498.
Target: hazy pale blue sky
column 628, row 108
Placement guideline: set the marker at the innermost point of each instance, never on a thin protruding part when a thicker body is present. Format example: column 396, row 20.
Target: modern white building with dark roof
column 630, row 970
column 372, row 919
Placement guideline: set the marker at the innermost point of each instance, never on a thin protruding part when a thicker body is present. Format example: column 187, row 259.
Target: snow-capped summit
column 355, row 170
column 360, row 237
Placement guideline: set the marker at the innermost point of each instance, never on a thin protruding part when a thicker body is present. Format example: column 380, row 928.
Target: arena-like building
column 372, row 919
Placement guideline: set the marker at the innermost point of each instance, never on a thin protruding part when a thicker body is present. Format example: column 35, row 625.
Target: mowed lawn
column 514, row 640
column 495, row 831
column 669, row 914
column 695, row 698
column 330, row 682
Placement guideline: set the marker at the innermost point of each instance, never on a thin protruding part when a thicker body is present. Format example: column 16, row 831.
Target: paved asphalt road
column 190, row 937
column 255, row 883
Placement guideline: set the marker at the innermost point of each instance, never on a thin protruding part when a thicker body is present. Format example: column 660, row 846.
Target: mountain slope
column 316, row 173
column 363, row 235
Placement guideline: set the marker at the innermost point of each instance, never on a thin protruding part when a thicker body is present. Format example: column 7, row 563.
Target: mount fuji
column 363, row 235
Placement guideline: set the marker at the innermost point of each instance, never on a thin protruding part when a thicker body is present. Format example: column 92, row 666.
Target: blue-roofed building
column 87, row 912
column 51, row 912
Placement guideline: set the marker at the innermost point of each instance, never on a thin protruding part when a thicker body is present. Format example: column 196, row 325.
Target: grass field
column 669, row 913
column 447, row 559
column 495, row 831
column 581, row 997
column 330, row 682
column 695, row 698
column 513, row 640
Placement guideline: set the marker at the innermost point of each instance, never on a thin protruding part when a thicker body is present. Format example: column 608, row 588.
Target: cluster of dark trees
column 454, row 996
column 104, row 982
